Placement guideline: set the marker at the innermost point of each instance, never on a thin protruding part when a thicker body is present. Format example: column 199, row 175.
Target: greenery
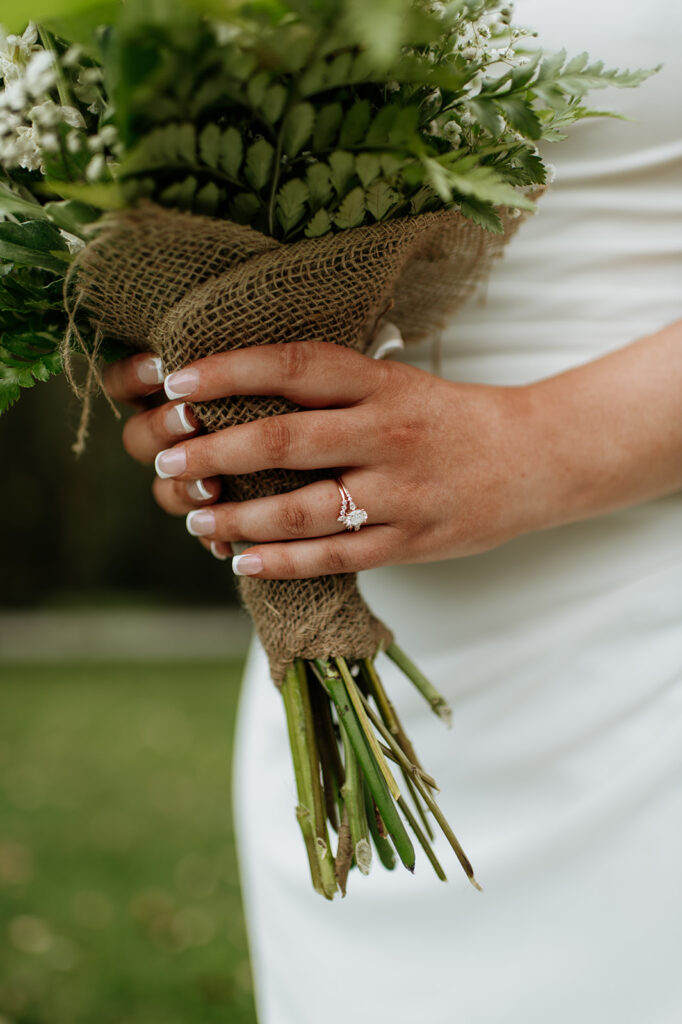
column 294, row 116
column 119, row 898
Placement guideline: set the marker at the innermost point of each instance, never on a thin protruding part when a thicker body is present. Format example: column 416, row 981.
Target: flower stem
column 429, row 692
column 381, row 844
column 376, row 781
column 310, row 812
column 449, row 834
column 354, row 807
column 423, row 840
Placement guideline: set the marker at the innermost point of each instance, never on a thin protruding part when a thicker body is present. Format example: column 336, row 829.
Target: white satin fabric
column 560, row 652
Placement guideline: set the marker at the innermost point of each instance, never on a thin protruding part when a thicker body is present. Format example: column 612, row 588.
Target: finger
column 218, row 549
column 130, row 379
column 371, row 547
column 309, row 373
column 178, row 498
column 311, row 511
column 149, row 432
column 299, row 440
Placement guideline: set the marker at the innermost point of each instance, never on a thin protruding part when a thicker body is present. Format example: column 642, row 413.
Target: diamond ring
column 351, row 516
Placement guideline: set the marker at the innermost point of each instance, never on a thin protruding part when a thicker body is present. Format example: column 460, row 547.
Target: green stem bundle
column 345, row 734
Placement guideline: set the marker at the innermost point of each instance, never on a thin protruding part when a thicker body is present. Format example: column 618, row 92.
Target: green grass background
column 119, row 896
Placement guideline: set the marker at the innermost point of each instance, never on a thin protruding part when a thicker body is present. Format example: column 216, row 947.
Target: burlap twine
column 186, row 286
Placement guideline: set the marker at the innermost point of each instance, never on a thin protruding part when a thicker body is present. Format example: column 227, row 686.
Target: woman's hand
column 443, row 469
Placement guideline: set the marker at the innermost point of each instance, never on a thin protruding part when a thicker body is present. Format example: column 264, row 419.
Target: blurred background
column 121, row 645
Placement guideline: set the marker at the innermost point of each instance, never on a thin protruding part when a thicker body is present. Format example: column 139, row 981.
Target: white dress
column 560, row 653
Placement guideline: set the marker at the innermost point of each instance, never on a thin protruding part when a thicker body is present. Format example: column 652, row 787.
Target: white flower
column 45, row 114
column 109, row 135
column 49, row 142
column 95, row 168
column 72, row 117
column 15, row 52
column 24, row 150
column 41, row 74
column 13, row 96
column 73, row 142
column 72, row 56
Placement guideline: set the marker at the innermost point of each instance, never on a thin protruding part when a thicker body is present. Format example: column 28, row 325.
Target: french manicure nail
column 150, row 371
column 218, row 552
column 170, row 462
column 178, row 421
column 181, row 383
column 200, row 522
column 198, row 490
column 246, row 565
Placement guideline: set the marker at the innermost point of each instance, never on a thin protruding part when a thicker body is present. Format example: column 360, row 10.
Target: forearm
column 608, row 433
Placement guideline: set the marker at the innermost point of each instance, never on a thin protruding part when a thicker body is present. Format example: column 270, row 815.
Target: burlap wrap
column 187, row 286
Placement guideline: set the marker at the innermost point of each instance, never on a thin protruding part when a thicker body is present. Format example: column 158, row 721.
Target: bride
column 525, row 543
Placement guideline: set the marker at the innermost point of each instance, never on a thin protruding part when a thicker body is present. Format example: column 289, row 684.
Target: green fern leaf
column 24, row 359
column 368, row 166
column 487, row 115
column 208, row 199
column 342, row 170
column 319, row 184
column 180, row 194
column 404, row 127
column 231, row 151
column 291, row 203
column 351, row 213
column 244, row 208
column 319, row 225
column 380, row 128
column 259, row 164
column 520, row 115
column 209, row 145
column 34, row 243
column 257, row 87
column 355, row 124
column 327, row 126
column 380, row 199
column 391, row 164
column 338, row 71
column 273, row 102
column 298, row 127
column 314, row 78
column 185, row 140
column 482, row 214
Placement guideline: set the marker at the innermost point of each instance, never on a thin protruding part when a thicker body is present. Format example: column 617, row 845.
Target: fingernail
column 246, row 565
column 220, row 550
column 181, row 383
column 150, row 371
column 200, row 522
column 170, row 462
column 198, row 490
column 178, row 421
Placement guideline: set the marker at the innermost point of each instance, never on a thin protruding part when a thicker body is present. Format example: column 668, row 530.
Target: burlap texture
column 187, row 286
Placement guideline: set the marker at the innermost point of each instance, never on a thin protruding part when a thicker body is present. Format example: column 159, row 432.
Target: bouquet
column 178, row 174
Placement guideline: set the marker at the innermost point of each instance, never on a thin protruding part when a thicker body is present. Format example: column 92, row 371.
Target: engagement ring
column 351, row 517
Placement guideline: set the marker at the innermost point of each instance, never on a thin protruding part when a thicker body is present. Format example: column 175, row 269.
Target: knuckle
column 284, row 564
column 294, row 360
column 276, row 438
column 295, row 520
column 401, row 436
column 229, row 525
column 337, row 560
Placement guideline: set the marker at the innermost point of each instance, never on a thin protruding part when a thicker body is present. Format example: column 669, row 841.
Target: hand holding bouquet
column 276, row 172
